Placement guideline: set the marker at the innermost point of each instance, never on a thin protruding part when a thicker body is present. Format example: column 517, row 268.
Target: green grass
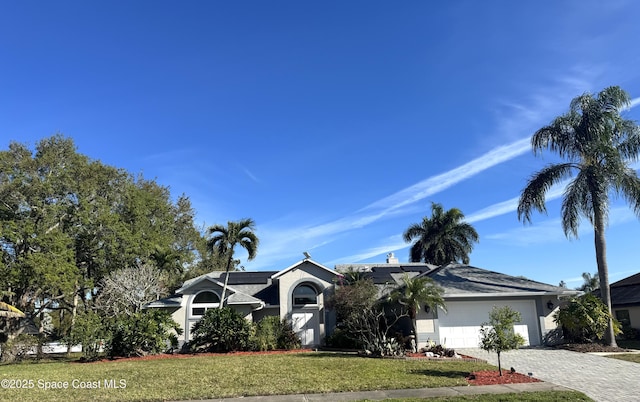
column 220, row 376
column 630, row 357
column 520, row 397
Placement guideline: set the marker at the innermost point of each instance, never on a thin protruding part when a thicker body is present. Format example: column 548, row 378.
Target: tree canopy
column 67, row 222
column 224, row 240
column 442, row 238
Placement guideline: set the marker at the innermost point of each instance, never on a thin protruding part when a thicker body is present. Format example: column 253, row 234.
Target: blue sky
column 333, row 124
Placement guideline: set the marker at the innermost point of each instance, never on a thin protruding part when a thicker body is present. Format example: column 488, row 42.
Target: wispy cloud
column 250, row 175
column 438, row 183
column 634, row 102
column 520, row 120
column 511, row 205
column 393, row 243
column 550, row 231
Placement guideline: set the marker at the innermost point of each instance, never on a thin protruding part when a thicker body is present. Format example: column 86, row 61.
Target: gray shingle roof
column 458, row 279
column 626, row 292
column 171, row 301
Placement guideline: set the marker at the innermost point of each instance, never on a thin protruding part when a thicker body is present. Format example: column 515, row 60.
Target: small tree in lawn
column 498, row 334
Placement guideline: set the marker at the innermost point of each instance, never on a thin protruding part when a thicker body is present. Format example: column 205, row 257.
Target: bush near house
column 585, row 319
column 221, row 330
column 142, row 333
column 225, row 330
column 272, row 333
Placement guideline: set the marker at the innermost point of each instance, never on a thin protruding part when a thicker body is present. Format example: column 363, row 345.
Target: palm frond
column 534, row 194
column 9, row 311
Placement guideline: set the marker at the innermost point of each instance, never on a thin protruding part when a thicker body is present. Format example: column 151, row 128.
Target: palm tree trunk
column 226, row 280
column 603, row 273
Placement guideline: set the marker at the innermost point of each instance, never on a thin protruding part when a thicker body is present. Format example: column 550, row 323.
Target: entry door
column 305, row 325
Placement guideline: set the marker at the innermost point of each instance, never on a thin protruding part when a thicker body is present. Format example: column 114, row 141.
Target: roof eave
column 508, row 294
column 297, row 264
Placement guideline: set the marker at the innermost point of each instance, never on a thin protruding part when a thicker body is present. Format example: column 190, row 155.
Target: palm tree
column 415, row 293
column 225, row 239
column 590, row 284
column 441, row 239
column 598, row 146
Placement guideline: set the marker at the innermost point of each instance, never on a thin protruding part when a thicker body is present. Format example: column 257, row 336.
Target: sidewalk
column 400, row 393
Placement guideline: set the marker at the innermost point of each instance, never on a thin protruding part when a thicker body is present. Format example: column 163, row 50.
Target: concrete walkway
column 398, row 393
column 601, row 378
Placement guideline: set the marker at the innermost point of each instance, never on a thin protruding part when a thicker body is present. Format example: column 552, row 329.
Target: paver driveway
column 601, row 378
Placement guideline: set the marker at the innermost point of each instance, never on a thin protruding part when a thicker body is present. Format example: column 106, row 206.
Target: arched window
column 305, row 294
column 204, row 301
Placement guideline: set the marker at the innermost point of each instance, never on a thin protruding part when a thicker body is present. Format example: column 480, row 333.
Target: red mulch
column 490, row 377
column 188, row 355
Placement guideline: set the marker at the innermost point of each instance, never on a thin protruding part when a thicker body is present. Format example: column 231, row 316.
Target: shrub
column 439, row 350
column 287, row 337
column 143, row 333
column 340, row 339
column 88, row 331
column 266, row 334
column 16, row 349
column 629, row 333
column 585, row 319
column 221, row 330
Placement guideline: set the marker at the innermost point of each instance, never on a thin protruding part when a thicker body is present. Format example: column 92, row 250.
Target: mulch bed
column 492, row 377
column 591, row 348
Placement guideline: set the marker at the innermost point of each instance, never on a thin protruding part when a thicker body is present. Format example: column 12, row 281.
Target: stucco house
column 297, row 293
column 300, row 292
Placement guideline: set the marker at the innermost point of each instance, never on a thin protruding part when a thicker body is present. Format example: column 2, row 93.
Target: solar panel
column 248, row 278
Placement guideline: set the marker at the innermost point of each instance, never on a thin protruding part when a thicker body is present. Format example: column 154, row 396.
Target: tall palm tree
column 415, row 293
column 441, row 239
column 598, row 146
column 225, row 239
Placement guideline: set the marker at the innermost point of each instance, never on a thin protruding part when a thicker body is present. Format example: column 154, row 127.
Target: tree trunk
column 603, row 273
column 499, row 365
column 226, row 280
column 74, row 313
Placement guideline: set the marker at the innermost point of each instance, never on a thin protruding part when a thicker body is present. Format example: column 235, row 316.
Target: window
column 206, row 297
column 623, row 317
column 204, row 301
column 305, row 294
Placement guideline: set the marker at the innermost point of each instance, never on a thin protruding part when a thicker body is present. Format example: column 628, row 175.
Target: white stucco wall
column 307, row 273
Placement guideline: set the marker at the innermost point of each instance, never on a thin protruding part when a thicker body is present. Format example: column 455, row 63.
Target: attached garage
column 460, row 326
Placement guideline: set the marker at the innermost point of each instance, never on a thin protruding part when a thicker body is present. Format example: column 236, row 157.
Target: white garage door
column 460, row 326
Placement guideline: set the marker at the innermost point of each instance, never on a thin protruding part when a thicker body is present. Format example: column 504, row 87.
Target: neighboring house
column 299, row 293
column 625, row 300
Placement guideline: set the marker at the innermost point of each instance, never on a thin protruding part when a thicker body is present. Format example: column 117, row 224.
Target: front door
column 306, row 326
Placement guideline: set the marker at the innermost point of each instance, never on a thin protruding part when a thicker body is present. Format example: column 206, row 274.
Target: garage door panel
column 460, row 326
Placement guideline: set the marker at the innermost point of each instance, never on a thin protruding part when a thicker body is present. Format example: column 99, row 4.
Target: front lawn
column 199, row 377
column 630, row 357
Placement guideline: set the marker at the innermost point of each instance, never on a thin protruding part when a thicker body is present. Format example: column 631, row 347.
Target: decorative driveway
column 601, row 378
